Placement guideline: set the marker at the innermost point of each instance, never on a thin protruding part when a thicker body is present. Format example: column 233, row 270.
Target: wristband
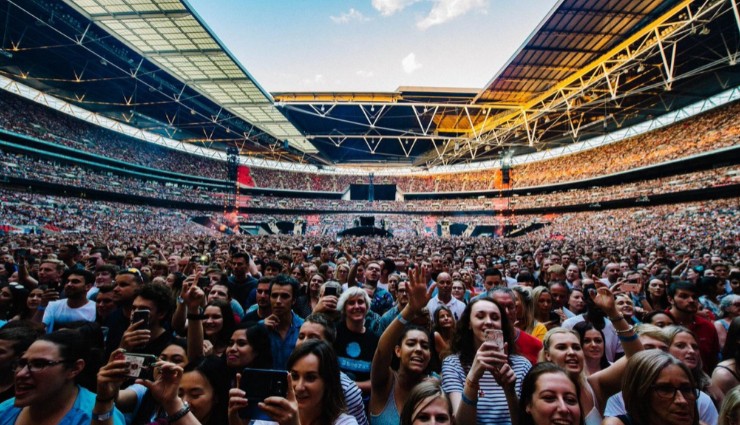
column 179, row 414
column 627, row 338
column 180, row 300
column 102, row 417
column 626, row 331
column 469, row 402
column 193, row 316
column 402, row 320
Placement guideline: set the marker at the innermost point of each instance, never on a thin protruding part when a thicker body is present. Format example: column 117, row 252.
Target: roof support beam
column 177, row 14
column 560, row 50
column 590, row 83
column 177, row 53
column 384, row 137
column 736, row 12
column 668, row 63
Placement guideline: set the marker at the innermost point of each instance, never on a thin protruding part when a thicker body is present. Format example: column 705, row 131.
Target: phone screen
column 141, row 315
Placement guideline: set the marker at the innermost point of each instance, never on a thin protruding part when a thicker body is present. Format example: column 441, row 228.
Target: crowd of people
column 626, row 316
column 29, row 118
column 710, row 131
column 79, row 176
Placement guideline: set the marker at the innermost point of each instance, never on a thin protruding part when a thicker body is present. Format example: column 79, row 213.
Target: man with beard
column 402, row 298
column 76, row 307
column 261, row 309
column 684, row 300
column 381, row 300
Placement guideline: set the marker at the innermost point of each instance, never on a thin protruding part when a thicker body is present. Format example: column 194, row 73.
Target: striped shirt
column 353, row 399
column 492, row 406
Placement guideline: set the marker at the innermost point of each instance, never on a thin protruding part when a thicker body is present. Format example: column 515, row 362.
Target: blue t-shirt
column 79, row 414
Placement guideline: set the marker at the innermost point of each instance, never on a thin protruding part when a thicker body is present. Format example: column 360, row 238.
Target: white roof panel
column 169, row 34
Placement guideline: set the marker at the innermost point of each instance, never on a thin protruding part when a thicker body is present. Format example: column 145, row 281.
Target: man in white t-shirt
column 444, row 297
column 76, row 307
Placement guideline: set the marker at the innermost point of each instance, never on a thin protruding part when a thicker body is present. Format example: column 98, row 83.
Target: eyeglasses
column 35, row 365
column 667, row 391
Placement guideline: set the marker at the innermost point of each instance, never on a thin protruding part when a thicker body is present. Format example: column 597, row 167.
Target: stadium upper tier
column 716, row 129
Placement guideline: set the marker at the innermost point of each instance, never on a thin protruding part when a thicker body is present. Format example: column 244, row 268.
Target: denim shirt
column 281, row 349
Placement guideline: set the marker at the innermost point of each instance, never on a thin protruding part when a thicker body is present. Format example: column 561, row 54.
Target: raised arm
column 380, row 371
column 607, row 382
column 194, row 299
column 181, row 310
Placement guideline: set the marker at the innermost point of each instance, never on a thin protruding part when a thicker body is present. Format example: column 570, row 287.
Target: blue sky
column 372, row 45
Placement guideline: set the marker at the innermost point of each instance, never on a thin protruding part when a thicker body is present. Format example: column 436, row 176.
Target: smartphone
column 91, row 262
column 631, row 287
column 20, row 255
column 55, row 286
column 497, row 336
column 195, row 259
column 203, row 282
column 140, row 315
column 259, row 384
column 140, row 365
column 330, row 290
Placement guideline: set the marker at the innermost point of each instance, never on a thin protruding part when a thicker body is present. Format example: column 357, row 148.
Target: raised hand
column 271, row 322
column 165, row 387
column 135, row 336
column 604, row 299
column 112, row 375
column 194, row 297
column 419, row 294
column 504, row 376
column 326, row 304
column 237, row 402
column 284, row 411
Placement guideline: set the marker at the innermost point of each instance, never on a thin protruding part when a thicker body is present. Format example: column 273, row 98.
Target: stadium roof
column 588, row 68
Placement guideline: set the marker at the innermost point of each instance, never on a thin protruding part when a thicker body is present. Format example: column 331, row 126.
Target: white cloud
column 409, row 63
column 317, row 79
column 347, row 17
column 389, row 7
column 445, row 10
column 365, row 74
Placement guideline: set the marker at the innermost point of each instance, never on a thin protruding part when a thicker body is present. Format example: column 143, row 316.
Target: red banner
column 244, row 176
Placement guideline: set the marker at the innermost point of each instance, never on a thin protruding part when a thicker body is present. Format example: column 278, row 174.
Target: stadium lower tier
column 59, row 177
column 691, row 224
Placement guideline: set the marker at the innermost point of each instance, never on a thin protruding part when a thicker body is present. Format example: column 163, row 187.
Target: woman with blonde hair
column 658, row 389
column 525, row 313
column 427, row 403
column 729, row 412
column 542, row 305
column 563, row 347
